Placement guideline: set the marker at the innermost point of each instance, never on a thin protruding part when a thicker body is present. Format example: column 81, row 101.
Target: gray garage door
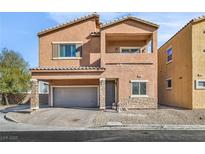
column 75, row 97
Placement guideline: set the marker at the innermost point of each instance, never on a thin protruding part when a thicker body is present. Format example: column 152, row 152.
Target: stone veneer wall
column 34, row 95
column 102, row 93
column 138, row 103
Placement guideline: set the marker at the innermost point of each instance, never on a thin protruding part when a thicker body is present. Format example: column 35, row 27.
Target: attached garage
column 75, row 96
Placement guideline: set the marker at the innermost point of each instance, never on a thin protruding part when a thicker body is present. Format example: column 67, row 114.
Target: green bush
column 14, row 74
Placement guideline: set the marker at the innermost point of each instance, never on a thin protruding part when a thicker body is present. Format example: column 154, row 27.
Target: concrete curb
column 156, row 127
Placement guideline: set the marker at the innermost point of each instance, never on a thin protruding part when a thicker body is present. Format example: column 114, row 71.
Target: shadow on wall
column 91, row 56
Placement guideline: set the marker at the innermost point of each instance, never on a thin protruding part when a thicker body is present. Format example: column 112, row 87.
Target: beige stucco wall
column 180, row 70
column 198, row 47
column 128, row 67
column 77, row 33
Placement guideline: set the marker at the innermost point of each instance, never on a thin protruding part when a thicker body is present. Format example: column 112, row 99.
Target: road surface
column 12, row 132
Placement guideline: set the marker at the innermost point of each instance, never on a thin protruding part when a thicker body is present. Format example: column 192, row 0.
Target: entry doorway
column 110, row 95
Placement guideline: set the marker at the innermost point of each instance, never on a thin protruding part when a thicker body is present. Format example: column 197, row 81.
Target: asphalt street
column 105, row 136
column 16, row 132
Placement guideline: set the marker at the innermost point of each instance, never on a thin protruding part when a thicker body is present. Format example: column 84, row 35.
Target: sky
column 18, row 31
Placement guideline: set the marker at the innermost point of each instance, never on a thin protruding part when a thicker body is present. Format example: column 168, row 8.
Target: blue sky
column 18, row 30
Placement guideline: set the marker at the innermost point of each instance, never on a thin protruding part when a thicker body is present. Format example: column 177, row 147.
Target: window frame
column 121, row 48
column 169, row 88
column 199, row 87
column 140, row 81
column 39, row 88
column 170, row 47
column 66, row 43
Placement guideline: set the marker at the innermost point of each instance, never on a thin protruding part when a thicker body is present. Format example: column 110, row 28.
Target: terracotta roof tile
column 67, row 68
column 95, row 15
column 68, row 23
column 126, row 18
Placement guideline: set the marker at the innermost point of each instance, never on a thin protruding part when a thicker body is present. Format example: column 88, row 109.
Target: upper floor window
column 67, row 50
column 200, row 84
column 130, row 50
column 139, row 88
column 169, row 83
column 169, row 55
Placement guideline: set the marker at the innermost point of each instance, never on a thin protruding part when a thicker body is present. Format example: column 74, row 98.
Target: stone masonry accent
column 137, row 103
column 34, row 95
column 102, row 93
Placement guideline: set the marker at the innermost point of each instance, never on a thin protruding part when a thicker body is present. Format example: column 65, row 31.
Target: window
column 169, row 83
column 43, row 87
column 69, row 50
column 200, row 84
column 169, row 55
column 130, row 50
column 139, row 88
column 150, row 47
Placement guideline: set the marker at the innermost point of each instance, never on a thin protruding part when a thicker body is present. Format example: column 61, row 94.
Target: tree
column 15, row 74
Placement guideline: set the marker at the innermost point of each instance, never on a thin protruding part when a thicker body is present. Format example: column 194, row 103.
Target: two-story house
column 89, row 64
column 181, row 67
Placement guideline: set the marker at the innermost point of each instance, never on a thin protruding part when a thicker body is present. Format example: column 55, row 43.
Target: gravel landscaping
column 93, row 118
column 160, row 116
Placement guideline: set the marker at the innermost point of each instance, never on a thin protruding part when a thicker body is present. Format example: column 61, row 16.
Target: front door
column 110, row 93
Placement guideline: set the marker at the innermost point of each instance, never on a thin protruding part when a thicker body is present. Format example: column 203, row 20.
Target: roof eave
column 48, row 30
column 129, row 18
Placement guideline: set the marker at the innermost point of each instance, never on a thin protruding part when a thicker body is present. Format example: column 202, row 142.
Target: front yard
column 85, row 118
column 160, row 116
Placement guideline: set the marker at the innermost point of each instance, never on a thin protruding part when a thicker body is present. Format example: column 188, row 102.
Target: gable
column 76, row 22
column 129, row 26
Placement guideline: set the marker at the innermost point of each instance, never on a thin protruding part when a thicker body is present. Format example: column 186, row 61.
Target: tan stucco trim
column 67, row 58
column 68, row 42
column 65, row 71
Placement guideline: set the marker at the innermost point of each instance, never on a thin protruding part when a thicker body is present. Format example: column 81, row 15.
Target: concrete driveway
column 58, row 117
column 88, row 118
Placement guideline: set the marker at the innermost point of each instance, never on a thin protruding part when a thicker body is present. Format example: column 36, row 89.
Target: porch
column 72, row 88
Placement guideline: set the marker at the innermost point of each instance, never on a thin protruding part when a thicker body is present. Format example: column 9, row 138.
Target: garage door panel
column 75, row 96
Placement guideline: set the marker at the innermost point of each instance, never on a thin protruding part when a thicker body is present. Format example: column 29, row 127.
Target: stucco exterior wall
column 97, row 52
column 198, row 55
column 78, row 33
column 127, row 67
column 126, row 73
column 180, row 70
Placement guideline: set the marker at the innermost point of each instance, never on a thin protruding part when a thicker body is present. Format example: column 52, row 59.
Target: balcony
column 128, row 49
column 126, row 58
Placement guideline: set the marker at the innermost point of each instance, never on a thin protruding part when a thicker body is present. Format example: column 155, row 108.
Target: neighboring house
column 181, row 67
column 88, row 64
